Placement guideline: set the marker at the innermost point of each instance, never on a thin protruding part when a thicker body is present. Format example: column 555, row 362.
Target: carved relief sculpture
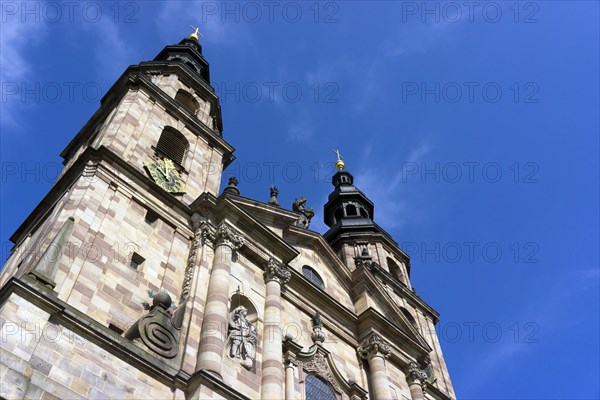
column 159, row 329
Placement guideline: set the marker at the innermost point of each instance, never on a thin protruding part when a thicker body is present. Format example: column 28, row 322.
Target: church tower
column 136, row 277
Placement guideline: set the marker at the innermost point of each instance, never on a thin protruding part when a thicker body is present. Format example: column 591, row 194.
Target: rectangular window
column 151, row 217
column 136, row 261
column 115, row 328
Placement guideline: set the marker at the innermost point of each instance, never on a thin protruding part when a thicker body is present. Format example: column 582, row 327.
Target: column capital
column 414, row 373
column 289, row 361
column 375, row 346
column 225, row 235
column 276, row 271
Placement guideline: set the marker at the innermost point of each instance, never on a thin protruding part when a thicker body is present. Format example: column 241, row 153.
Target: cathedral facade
column 136, row 277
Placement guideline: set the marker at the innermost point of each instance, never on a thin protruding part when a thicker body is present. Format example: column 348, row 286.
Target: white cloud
column 111, row 51
column 207, row 16
column 383, row 187
column 301, row 130
column 17, row 40
column 419, row 37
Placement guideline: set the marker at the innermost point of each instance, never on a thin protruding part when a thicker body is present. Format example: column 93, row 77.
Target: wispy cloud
column 301, row 130
column 383, row 187
column 111, row 50
column 177, row 14
column 16, row 40
column 419, row 38
column 547, row 313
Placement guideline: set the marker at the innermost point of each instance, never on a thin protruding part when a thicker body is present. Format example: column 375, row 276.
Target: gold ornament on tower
column 339, row 164
column 195, row 35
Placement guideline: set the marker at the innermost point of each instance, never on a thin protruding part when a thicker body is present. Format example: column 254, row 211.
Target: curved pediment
column 319, row 361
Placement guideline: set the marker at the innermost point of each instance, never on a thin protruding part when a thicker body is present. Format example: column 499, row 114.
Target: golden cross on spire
column 339, row 164
column 196, row 35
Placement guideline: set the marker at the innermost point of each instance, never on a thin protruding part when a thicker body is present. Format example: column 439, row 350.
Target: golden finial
column 339, row 164
column 196, row 35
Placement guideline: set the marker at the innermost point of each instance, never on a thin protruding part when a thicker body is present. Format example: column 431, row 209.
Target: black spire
column 347, row 206
column 189, row 53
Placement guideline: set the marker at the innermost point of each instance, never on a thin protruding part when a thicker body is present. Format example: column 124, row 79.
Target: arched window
column 364, row 213
column 312, row 276
column 339, row 214
column 191, row 65
column 172, row 144
column 187, row 100
column 317, row 389
column 351, row 210
column 409, row 316
column 394, row 269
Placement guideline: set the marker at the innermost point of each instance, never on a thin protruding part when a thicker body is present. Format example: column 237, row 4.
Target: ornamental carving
column 414, row 373
column 159, row 329
column 375, row 346
column 317, row 336
column 227, row 236
column 365, row 260
column 198, row 224
column 273, row 191
column 275, row 271
column 206, row 233
column 318, row 365
column 242, row 337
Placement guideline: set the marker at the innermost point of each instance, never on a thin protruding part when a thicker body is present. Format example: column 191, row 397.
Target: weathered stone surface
column 203, row 249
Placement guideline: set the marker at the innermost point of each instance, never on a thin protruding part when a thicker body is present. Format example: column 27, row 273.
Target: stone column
column 290, row 366
column 375, row 351
column 216, row 310
column 415, row 378
column 276, row 275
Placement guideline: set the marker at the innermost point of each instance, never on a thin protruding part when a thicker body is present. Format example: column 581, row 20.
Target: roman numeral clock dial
column 165, row 175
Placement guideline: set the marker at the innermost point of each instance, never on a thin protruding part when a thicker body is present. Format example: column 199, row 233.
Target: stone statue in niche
column 242, row 337
column 299, row 206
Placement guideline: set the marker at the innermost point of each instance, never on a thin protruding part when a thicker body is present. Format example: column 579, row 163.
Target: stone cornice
column 284, row 218
column 365, row 282
column 117, row 345
column 261, row 245
column 377, row 236
column 90, row 329
column 74, row 172
column 337, row 318
column 318, row 243
column 372, row 320
column 404, row 291
column 213, row 382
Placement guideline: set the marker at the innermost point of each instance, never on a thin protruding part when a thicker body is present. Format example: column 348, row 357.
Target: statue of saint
column 242, row 337
column 299, row 206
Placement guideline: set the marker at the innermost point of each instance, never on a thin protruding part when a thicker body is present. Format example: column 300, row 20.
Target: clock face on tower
column 164, row 173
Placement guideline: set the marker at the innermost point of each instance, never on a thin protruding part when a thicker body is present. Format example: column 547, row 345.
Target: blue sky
column 473, row 130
